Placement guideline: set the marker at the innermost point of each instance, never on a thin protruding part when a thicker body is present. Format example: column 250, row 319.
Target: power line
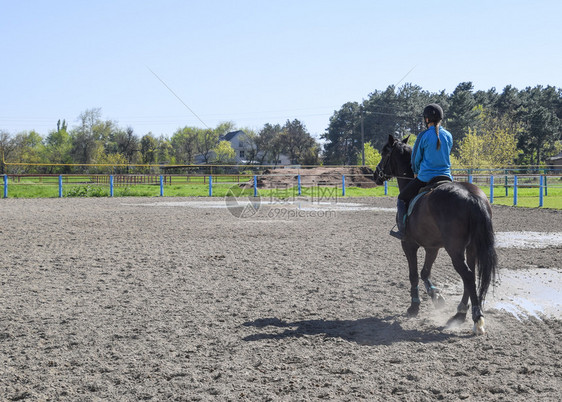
column 176, row 95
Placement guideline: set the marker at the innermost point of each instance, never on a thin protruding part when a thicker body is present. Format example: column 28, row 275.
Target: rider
column 430, row 162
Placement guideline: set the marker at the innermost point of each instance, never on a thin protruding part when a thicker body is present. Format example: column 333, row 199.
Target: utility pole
column 362, row 140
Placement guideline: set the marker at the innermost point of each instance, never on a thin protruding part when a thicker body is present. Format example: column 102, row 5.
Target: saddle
column 423, row 191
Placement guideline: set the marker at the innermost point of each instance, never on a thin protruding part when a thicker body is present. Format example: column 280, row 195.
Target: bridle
column 383, row 165
column 382, row 169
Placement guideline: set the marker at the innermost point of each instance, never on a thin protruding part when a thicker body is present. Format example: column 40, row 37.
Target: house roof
column 556, row 157
column 232, row 134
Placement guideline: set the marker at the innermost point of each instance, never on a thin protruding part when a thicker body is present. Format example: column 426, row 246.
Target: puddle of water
column 528, row 239
column 528, row 293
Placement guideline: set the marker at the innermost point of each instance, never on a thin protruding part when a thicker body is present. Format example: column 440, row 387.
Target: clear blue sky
column 257, row 62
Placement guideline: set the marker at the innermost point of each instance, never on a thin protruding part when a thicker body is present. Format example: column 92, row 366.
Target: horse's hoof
column 439, row 302
column 455, row 320
column 413, row 310
column 478, row 328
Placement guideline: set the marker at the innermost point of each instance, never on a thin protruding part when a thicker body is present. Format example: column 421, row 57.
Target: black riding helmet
column 433, row 113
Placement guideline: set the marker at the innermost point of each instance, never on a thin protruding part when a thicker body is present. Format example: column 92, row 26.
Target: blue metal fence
column 510, row 182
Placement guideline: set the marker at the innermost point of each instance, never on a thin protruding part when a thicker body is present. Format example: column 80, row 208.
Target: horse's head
column 395, row 160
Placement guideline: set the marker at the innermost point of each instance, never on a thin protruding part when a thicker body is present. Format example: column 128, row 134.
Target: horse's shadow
column 366, row 331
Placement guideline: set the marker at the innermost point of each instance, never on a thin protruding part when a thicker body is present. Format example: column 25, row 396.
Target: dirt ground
column 131, row 299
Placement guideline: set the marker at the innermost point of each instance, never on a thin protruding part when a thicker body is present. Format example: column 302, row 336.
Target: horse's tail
column 483, row 240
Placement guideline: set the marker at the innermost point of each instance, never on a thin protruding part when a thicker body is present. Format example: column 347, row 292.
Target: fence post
column 545, row 184
column 210, row 186
column 491, row 189
column 299, row 183
column 60, row 185
column 506, row 190
column 5, row 186
column 343, row 185
column 255, row 186
column 161, row 186
column 111, row 185
column 541, row 189
column 386, row 187
column 514, row 190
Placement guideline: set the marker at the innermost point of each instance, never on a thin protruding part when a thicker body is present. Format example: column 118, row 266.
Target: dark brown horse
column 455, row 216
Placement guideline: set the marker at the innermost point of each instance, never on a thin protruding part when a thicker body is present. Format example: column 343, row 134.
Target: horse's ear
column 391, row 139
column 405, row 140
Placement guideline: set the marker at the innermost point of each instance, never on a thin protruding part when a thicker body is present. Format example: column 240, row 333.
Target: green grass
column 527, row 197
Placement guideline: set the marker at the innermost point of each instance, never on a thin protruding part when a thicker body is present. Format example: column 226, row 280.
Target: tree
column 6, row 148
column 224, row 128
column 500, row 140
column 127, row 144
column 541, row 117
column 148, row 149
column 342, row 140
column 92, row 134
column 541, row 133
column 206, row 140
column 183, row 144
column 28, row 148
column 509, row 102
column 58, row 145
column 116, row 163
column 372, row 156
column 462, row 114
column 297, row 142
column 268, row 144
column 471, row 150
column 392, row 111
column 494, row 144
column 411, row 100
column 224, row 153
column 165, row 151
column 486, row 99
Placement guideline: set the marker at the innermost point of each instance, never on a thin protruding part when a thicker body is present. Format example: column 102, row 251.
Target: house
column 555, row 162
column 243, row 149
column 241, row 144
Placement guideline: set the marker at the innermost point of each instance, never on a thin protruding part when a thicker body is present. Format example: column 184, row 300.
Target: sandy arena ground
column 131, row 299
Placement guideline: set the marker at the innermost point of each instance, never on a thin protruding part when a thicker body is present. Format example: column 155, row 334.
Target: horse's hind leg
column 411, row 250
column 469, row 281
column 462, row 308
column 432, row 291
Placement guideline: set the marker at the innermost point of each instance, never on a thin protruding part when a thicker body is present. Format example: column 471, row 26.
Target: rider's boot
column 400, row 220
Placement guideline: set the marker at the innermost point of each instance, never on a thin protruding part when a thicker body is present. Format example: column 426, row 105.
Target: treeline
column 490, row 129
column 520, row 127
column 95, row 142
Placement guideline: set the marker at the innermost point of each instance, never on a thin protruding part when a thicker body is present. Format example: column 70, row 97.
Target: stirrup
column 396, row 233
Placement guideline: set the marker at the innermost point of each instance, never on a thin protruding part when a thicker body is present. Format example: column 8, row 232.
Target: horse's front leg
column 432, row 291
column 411, row 251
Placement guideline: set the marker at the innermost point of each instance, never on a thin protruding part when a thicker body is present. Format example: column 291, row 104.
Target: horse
column 455, row 216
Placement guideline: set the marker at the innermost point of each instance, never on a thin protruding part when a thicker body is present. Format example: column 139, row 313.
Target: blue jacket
column 428, row 161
